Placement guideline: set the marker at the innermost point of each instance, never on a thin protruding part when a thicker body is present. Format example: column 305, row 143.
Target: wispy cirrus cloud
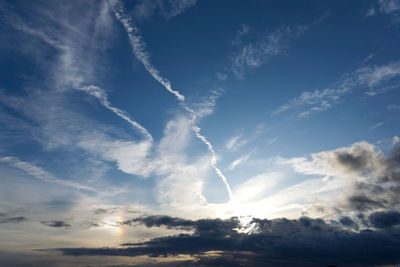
column 373, row 79
column 168, row 9
column 390, row 8
column 43, row 175
column 251, row 55
column 235, row 142
column 238, row 161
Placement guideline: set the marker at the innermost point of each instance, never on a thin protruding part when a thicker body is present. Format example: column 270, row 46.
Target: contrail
column 138, row 47
column 213, row 159
column 102, row 97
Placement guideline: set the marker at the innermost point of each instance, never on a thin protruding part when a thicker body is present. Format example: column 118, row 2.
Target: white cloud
column 43, row 175
column 239, row 161
column 256, row 187
column 379, row 124
column 206, row 106
column 389, row 6
column 396, row 140
column 168, row 8
column 222, row 76
column 393, row 107
column 272, row 140
column 371, row 12
column 138, row 47
column 235, row 142
column 372, row 78
column 101, row 95
column 254, row 54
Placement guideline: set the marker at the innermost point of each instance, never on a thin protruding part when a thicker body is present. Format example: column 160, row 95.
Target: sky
column 200, row 133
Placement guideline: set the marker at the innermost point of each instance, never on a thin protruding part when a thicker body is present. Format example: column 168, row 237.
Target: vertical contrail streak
column 138, row 47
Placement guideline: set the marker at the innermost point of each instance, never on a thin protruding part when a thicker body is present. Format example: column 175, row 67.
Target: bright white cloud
column 256, row 187
column 239, row 161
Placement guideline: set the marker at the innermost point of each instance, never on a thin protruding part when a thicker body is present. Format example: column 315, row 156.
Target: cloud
column 371, row 12
column 139, row 49
column 348, row 222
column 206, row 105
column 43, row 175
column 235, row 142
column 278, row 242
column 56, row 224
column 239, row 161
column 12, row 219
column 168, row 9
column 389, row 6
column 393, row 107
column 252, row 55
column 379, row 124
column 384, row 219
column 213, row 159
column 372, row 179
column 101, row 95
column 255, row 187
column 376, row 79
column 396, row 140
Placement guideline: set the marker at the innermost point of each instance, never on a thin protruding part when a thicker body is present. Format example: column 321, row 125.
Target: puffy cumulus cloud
column 369, row 179
column 277, row 242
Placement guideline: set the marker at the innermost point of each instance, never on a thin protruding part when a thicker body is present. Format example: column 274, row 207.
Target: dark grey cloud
column 277, row 242
column 56, row 224
column 203, row 227
column 384, row 219
column 376, row 176
column 348, row 222
column 12, row 219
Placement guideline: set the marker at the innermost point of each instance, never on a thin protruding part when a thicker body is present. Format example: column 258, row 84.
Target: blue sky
column 111, row 111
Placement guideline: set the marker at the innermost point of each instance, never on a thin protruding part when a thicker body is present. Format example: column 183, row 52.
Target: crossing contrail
column 139, row 49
